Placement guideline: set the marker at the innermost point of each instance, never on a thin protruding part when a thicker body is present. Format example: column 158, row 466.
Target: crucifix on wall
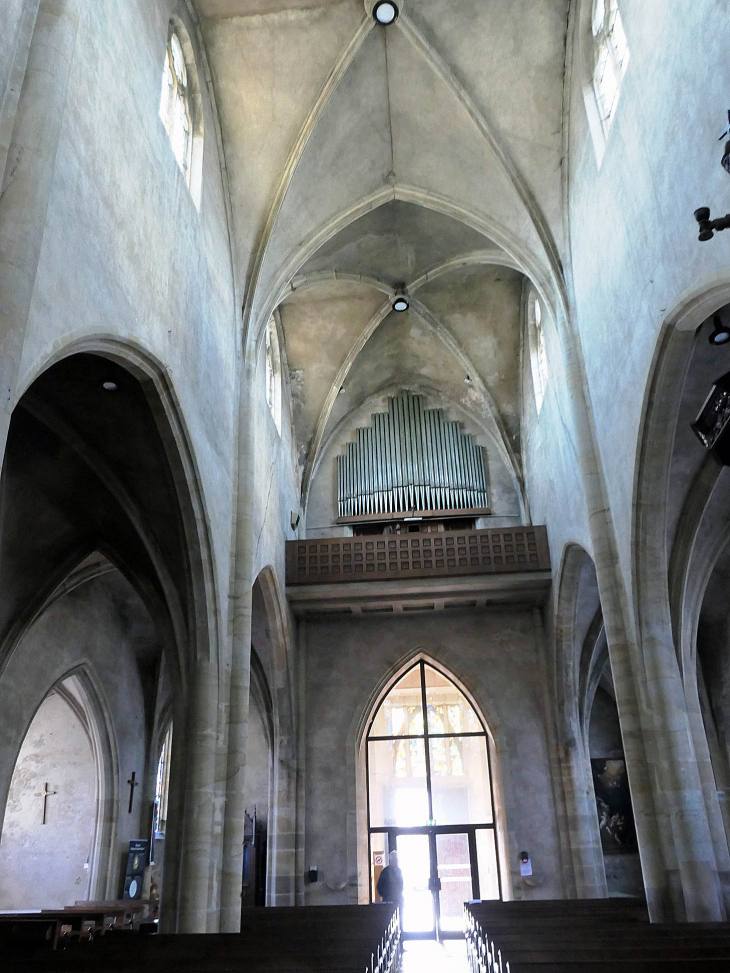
column 133, row 782
column 45, row 794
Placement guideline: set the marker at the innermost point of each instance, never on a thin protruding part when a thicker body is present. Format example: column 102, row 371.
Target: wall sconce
column 312, row 874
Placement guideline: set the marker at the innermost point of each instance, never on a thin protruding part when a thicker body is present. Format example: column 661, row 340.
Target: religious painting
column 613, row 802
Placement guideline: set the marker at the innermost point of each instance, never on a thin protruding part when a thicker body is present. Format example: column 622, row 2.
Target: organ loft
column 364, row 524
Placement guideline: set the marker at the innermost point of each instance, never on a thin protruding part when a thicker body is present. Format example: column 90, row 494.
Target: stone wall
column 497, row 656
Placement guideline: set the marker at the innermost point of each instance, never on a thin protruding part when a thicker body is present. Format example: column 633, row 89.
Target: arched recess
column 183, row 479
column 603, row 851
column 677, row 534
column 98, row 454
column 63, row 793
column 359, row 740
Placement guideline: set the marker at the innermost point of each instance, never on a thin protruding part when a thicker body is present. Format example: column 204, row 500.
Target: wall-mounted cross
column 45, row 794
column 132, row 784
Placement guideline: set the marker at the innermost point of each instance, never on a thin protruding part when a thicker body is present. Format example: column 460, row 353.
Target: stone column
column 240, row 677
column 585, row 840
column 27, row 180
column 197, row 845
column 680, row 874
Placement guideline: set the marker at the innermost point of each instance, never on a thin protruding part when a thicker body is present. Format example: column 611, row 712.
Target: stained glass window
column 162, row 783
column 427, row 772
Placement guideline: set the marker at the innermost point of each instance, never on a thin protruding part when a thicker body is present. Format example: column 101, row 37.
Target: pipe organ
column 411, row 460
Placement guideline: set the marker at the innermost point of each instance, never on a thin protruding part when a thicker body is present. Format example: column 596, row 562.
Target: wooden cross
column 132, row 784
column 45, row 794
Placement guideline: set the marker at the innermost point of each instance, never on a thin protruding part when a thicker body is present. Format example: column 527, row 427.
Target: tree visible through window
column 175, row 103
column 611, row 54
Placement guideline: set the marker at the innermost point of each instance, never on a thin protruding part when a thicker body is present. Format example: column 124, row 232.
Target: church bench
column 298, row 940
column 573, row 937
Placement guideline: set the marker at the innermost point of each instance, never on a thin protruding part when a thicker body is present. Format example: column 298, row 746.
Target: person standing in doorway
column 390, row 883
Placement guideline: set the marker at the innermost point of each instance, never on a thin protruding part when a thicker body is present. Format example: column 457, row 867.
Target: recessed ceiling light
column 400, row 300
column 109, row 386
column 342, row 390
column 721, row 333
column 385, row 12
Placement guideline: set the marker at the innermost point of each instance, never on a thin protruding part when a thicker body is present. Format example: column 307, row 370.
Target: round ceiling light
column 400, row 303
column 721, row 333
column 109, row 386
column 385, row 12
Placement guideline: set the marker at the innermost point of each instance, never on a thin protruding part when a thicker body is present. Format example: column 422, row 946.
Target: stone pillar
column 585, row 841
column 196, row 845
column 301, row 793
column 240, row 677
column 679, row 869
column 713, row 780
column 284, row 823
column 27, row 180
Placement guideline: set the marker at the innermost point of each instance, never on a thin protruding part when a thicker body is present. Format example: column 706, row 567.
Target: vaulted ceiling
column 361, row 158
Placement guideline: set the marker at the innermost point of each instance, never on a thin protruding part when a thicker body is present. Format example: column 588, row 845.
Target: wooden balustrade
column 383, row 557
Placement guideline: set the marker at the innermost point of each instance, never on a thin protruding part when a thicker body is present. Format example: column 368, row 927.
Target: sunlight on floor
column 427, row 956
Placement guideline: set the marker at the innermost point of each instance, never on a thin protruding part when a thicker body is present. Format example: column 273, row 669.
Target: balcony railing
column 383, row 557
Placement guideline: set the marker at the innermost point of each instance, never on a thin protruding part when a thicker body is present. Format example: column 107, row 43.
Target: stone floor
column 427, row 956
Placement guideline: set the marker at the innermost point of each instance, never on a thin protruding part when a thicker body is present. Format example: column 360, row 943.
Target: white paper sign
column 526, row 868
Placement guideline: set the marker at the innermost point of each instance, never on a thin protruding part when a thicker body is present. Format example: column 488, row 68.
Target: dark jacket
column 390, row 884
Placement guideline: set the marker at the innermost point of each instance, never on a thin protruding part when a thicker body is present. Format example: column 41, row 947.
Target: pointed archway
column 430, row 800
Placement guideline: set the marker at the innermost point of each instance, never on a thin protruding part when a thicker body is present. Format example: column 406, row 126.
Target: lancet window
column 175, row 108
column 611, row 58
column 538, row 349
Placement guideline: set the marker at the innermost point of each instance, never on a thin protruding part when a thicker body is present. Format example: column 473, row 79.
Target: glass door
column 455, row 886
column 415, row 862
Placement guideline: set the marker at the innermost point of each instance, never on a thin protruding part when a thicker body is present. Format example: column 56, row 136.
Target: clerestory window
column 175, row 103
column 538, row 349
column 273, row 373
column 181, row 107
column 611, row 58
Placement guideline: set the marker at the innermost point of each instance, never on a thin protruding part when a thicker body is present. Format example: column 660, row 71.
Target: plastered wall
column 84, row 628
column 497, row 657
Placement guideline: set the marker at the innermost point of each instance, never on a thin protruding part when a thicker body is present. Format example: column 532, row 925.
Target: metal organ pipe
column 410, row 458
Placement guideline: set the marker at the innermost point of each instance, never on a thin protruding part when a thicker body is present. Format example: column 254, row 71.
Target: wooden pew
column 588, row 936
column 344, row 939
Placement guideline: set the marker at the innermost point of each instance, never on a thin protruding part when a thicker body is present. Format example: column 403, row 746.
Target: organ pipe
column 410, row 458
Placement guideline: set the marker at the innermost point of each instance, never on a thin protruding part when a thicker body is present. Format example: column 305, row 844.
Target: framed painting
column 613, row 803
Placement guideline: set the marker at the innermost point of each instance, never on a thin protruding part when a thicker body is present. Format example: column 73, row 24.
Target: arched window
column 611, row 58
column 180, row 107
column 430, row 799
column 273, row 373
column 162, row 784
column 538, row 350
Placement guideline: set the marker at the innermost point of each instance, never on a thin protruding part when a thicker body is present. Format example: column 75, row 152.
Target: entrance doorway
column 430, row 799
column 443, row 867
